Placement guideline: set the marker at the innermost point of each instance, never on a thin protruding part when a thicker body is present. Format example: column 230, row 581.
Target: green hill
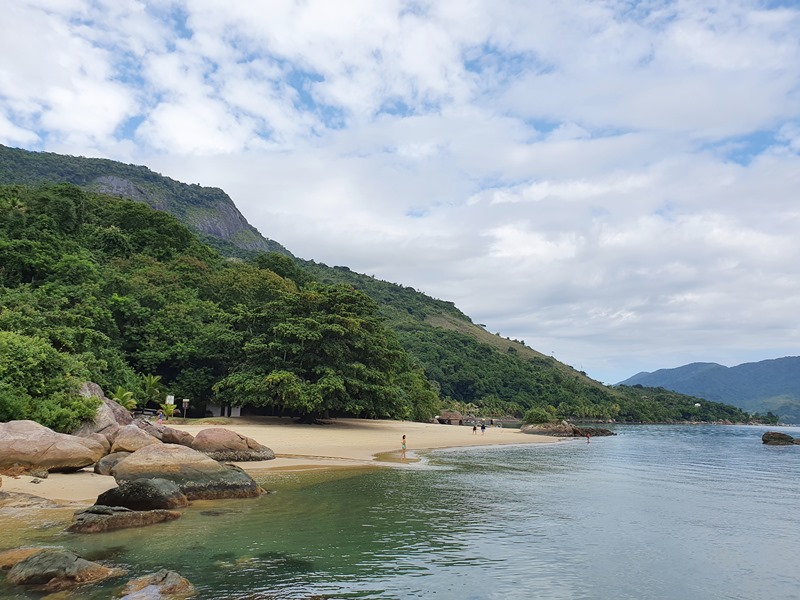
column 768, row 385
column 470, row 368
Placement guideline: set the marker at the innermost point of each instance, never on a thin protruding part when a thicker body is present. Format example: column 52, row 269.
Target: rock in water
column 98, row 519
column 55, row 569
column 164, row 584
column 198, row 476
column 224, row 444
column 776, row 438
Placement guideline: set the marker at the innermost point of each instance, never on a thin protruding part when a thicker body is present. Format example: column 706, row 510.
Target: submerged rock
column 162, row 584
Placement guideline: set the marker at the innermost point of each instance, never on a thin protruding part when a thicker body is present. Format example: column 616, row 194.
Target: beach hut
column 450, row 417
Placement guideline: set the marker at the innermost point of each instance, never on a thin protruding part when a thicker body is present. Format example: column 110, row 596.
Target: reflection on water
column 655, row 512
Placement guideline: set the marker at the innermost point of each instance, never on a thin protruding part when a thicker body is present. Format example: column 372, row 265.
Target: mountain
column 210, row 212
column 473, row 370
column 769, row 385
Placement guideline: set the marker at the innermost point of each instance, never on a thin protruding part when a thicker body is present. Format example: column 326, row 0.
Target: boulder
column 98, row 519
column 53, row 570
column 162, row 584
column 28, row 444
column 224, row 445
column 168, row 435
column 105, row 465
column 145, row 494
column 109, row 414
column 565, row 429
column 130, row 439
column 776, row 438
column 198, row 476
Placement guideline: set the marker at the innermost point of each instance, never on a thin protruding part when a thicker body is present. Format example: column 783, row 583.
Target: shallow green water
column 655, row 512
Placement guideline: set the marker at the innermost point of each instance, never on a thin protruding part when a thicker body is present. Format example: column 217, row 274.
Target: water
column 657, row 512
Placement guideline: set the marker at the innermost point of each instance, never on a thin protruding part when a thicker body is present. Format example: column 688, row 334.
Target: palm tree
column 151, row 389
column 124, row 398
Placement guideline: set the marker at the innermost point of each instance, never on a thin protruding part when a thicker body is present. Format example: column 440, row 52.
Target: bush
column 535, row 416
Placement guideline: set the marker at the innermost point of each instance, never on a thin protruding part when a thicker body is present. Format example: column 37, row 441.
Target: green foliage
column 537, row 416
column 37, row 382
column 124, row 398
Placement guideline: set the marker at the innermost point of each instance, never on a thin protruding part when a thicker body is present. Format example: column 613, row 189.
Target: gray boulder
column 144, row 494
column 198, row 476
column 226, row 445
column 53, row 570
column 109, row 414
column 98, row 519
column 168, row 435
column 28, row 444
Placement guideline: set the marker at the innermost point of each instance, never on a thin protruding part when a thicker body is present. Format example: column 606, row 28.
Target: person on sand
column 483, row 427
column 403, row 449
column 474, row 429
column 160, row 417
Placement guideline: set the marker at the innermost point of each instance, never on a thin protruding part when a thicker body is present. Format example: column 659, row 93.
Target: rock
column 145, row 494
column 565, row 429
column 224, row 445
column 776, row 438
column 108, row 418
column 97, row 519
column 130, row 439
column 105, row 465
column 168, row 435
column 28, row 444
column 18, row 500
column 198, row 476
column 100, row 439
column 164, row 584
column 52, row 570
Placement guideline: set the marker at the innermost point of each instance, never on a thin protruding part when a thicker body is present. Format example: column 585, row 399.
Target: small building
column 450, row 417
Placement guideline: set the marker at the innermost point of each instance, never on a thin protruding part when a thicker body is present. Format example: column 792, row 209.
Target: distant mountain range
column 769, row 385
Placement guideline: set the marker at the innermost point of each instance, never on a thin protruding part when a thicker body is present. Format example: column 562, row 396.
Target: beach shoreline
column 335, row 444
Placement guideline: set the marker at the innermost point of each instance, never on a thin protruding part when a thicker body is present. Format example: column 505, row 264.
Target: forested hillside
column 205, row 346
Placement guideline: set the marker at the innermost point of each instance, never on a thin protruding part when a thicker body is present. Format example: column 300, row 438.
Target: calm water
column 657, row 512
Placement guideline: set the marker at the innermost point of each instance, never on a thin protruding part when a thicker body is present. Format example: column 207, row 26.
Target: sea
column 657, row 512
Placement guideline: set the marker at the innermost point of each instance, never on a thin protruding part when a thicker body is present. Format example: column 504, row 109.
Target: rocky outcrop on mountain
column 144, row 494
column 776, row 438
column 98, row 519
column 198, row 476
column 55, row 569
column 28, row 444
column 226, row 445
column 162, row 584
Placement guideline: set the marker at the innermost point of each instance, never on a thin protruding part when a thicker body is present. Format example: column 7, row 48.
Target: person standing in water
column 403, row 449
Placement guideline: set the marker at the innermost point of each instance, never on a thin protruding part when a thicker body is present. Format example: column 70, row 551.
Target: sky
column 615, row 183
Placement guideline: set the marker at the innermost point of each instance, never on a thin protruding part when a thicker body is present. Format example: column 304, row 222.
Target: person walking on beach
column 474, row 429
column 160, row 417
column 483, row 427
column 403, row 449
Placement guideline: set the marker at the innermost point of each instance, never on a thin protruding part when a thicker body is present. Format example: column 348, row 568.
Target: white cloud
column 612, row 183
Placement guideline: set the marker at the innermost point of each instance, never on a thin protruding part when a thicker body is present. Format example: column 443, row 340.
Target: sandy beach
column 338, row 443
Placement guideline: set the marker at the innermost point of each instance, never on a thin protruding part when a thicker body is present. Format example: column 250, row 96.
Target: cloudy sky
column 617, row 183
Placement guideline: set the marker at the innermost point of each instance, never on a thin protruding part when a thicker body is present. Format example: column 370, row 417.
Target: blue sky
column 616, row 183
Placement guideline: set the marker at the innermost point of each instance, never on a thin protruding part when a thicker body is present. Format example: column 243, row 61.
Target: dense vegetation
column 135, row 296
column 110, row 290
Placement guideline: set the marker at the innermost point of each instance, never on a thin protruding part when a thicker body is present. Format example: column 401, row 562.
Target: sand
column 338, row 443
